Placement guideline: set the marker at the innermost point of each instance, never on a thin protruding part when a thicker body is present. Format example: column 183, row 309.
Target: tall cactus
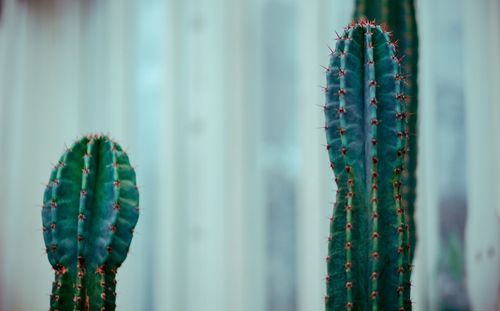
column 90, row 209
column 399, row 17
column 366, row 130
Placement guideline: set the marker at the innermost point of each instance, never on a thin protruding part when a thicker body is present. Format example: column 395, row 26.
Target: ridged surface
column 366, row 133
column 399, row 17
column 91, row 206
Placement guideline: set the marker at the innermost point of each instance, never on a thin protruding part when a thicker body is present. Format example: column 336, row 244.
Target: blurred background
column 217, row 104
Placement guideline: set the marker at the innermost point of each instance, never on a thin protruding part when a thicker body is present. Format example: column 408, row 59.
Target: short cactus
column 366, row 129
column 399, row 17
column 90, row 209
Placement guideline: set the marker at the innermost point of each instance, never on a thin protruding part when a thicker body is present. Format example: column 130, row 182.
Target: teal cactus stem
column 366, row 129
column 399, row 18
column 90, row 209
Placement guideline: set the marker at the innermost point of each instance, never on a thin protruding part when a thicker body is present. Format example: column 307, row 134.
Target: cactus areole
column 90, row 208
column 366, row 130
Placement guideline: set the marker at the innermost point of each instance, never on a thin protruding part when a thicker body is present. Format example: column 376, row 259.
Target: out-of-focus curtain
column 216, row 102
column 442, row 194
column 457, row 266
column 482, row 97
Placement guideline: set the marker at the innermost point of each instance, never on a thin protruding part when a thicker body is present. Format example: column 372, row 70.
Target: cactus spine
column 399, row 17
column 366, row 130
column 90, row 209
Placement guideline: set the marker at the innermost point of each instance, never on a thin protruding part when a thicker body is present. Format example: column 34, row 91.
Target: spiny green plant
column 366, row 129
column 399, row 18
column 90, row 209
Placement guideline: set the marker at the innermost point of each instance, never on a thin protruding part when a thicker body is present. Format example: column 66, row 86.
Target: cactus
column 399, row 17
column 90, row 209
column 366, row 129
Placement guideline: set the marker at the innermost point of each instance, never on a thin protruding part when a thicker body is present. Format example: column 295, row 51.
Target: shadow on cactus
column 366, row 128
column 90, row 209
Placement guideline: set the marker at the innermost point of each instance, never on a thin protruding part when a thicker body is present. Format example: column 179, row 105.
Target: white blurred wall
column 216, row 102
column 181, row 84
column 472, row 65
column 482, row 95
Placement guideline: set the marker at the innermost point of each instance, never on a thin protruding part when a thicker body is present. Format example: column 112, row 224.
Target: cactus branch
column 366, row 122
column 90, row 210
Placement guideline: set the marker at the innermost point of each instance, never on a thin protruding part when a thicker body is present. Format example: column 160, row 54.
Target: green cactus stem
column 366, row 129
column 90, row 209
column 399, row 18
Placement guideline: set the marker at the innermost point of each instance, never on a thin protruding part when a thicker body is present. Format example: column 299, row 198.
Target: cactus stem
column 92, row 189
column 364, row 179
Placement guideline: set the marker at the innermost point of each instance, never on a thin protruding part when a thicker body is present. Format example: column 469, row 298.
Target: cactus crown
column 366, row 132
column 90, row 209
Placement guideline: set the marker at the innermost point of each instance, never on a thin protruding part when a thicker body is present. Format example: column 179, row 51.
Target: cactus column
column 399, row 17
column 89, row 212
column 366, row 130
